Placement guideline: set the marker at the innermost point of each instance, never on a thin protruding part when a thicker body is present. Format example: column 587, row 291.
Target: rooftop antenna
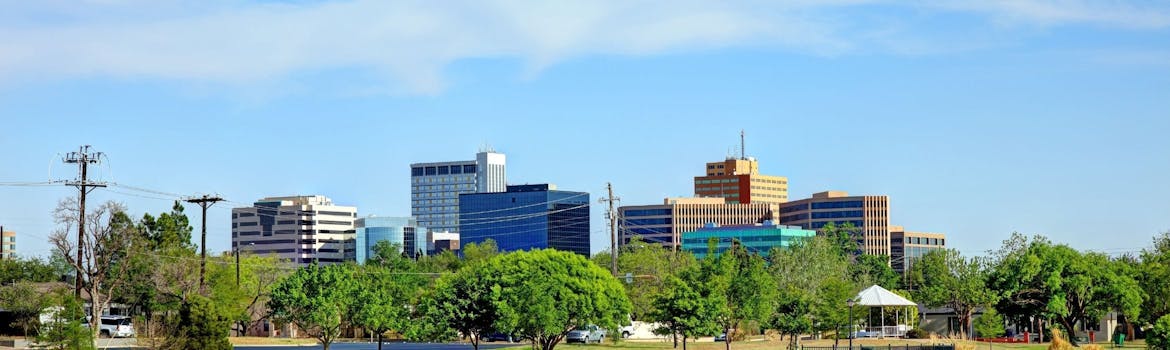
column 742, row 151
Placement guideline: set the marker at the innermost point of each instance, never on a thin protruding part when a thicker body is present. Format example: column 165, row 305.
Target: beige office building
column 7, row 244
column 906, row 247
column 738, row 180
column 300, row 229
column 869, row 213
column 665, row 223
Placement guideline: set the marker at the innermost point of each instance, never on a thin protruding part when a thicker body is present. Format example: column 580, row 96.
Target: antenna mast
column 742, row 151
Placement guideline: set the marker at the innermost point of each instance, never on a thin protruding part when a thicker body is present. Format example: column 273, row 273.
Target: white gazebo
column 876, row 296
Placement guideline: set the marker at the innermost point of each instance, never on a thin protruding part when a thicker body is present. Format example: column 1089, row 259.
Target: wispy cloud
column 408, row 43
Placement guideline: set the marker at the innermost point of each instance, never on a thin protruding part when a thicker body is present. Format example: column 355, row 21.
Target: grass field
column 776, row 344
column 271, row 341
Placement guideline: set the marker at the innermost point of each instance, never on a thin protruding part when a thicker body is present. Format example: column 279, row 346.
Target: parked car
column 626, row 331
column 585, row 334
column 722, row 337
column 500, row 336
column 116, row 327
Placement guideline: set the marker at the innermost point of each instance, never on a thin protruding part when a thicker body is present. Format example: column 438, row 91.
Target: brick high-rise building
column 738, row 180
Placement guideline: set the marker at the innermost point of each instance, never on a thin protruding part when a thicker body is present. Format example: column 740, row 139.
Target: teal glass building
column 403, row 231
column 760, row 238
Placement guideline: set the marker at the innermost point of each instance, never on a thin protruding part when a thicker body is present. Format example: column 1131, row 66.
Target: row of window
column 443, row 179
column 769, row 181
column 339, row 213
column 424, row 188
column 717, row 181
column 716, row 188
column 422, row 202
column 443, row 170
column 713, row 166
column 767, row 195
column 437, row 209
column 268, row 212
column 769, row 238
column 769, row 188
column 645, row 222
column 837, row 214
column 448, row 195
column 926, row 241
column 819, row 225
column 645, row 212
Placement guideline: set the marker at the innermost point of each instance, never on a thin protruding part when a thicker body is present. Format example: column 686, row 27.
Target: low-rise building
column 906, row 247
column 664, row 223
column 401, row 231
column 759, row 238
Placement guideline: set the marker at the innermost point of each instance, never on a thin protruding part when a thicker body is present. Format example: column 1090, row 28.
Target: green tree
column 1159, row 336
column 25, row 303
column 989, row 324
column 199, row 325
column 316, row 299
column 32, row 270
column 461, row 302
column 1154, row 272
column 739, row 280
column 682, row 310
column 383, row 300
column 816, row 266
column 390, row 256
column 543, row 294
column 792, row 315
column 243, row 302
column 844, row 237
column 479, row 252
column 648, row 264
column 947, row 279
column 869, row 270
column 65, row 329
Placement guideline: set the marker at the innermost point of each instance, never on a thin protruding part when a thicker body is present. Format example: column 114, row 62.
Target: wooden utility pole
column 83, row 158
column 613, row 222
column 204, row 202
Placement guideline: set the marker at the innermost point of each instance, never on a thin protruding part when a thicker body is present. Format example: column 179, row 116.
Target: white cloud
column 408, row 43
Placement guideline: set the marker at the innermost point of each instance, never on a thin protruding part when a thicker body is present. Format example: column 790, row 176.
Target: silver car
column 585, row 334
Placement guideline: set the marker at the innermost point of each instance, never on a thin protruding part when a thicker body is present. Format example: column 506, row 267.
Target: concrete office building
column 906, row 247
column 402, row 231
column 440, row 241
column 299, row 229
column 435, row 187
column 738, row 180
column 526, row 217
column 758, row 238
column 7, row 244
column 870, row 214
column 665, row 223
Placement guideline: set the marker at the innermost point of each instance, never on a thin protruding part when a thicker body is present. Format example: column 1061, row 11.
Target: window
column 431, row 170
column 416, row 171
column 469, row 169
column 836, row 205
column 242, row 224
column 444, row 170
column 456, row 169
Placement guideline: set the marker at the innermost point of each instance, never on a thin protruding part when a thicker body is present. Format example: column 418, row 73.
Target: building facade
column 665, row 223
column 738, row 180
column 526, row 217
column 906, row 247
column 759, row 238
column 435, row 187
column 7, row 244
column 403, row 231
column 300, row 229
column 440, row 241
column 869, row 214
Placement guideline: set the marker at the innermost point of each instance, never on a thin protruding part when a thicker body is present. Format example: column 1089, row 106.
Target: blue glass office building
column 755, row 238
column 403, row 231
column 526, row 217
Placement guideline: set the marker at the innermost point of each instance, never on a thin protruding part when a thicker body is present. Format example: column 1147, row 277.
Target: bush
column 200, row 326
column 1058, row 341
column 917, row 333
column 1159, row 336
column 64, row 329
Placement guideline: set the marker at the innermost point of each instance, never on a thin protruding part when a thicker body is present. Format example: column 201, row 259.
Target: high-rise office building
column 759, row 238
column 665, row 223
column 402, row 231
column 435, row 187
column 906, row 247
column 300, row 229
column 7, row 244
column 869, row 214
column 526, row 217
column 738, row 180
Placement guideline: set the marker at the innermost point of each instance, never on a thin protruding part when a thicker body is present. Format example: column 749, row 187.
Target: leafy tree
column 543, row 294
column 817, row 267
column 65, row 330
column 443, row 262
column 869, row 270
column 1154, row 272
column 32, row 270
column 244, row 303
column 478, row 252
column 383, row 301
column 390, row 256
column 844, row 237
column 200, row 325
column 1159, row 336
column 947, row 279
column 169, row 230
column 650, row 264
column 461, row 302
column 830, row 311
column 682, row 310
column 989, row 324
column 793, row 315
column 25, row 303
column 316, row 299
column 741, row 283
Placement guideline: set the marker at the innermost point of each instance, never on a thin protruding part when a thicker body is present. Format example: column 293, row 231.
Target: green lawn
column 775, row 344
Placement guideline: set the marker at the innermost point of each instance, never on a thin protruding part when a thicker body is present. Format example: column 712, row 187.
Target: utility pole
column 204, row 202
column 83, row 158
column 612, row 216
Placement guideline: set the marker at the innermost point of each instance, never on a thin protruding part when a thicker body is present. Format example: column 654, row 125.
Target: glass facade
column 435, row 188
column 756, row 239
column 396, row 230
column 526, row 217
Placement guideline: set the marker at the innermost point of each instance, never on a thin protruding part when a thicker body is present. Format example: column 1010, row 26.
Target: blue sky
column 976, row 118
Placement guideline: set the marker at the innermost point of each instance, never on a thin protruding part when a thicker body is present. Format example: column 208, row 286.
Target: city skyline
column 975, row 120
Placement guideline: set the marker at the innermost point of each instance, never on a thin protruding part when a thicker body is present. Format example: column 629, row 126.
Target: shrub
column 1058, row 341
column 917, row 333
column 1159, row 336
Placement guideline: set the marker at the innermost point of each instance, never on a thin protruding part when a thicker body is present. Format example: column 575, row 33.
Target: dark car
column 499, row 336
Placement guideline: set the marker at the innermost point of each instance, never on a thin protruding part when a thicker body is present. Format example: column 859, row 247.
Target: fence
column 879, row 347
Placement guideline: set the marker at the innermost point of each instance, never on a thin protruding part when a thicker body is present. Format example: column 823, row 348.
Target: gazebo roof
column 877, row 296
